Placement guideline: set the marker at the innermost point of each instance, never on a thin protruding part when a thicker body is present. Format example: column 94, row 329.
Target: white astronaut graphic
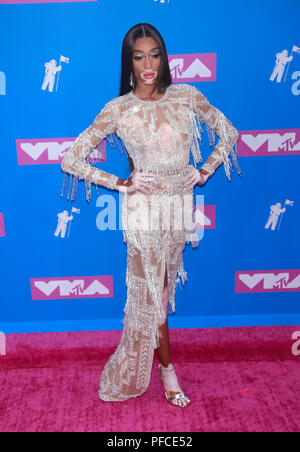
column 63, row 220
column 282, row 59
column 50, row 73
column 275, row 212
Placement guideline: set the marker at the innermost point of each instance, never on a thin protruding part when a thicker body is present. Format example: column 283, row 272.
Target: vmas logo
column 269, row 142
column 267, row 281
column 197, row 67
column 43, row 151
column 72, row 288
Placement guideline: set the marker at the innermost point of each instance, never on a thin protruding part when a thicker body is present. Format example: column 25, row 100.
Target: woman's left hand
column 195, row 177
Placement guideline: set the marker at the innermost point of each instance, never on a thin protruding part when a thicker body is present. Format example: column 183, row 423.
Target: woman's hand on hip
column 136, row 181
column 195, row 177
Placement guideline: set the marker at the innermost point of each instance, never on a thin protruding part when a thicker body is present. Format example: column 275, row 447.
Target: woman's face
column 146, row 61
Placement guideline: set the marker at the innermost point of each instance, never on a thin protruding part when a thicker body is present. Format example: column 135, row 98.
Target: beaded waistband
column 166, row 172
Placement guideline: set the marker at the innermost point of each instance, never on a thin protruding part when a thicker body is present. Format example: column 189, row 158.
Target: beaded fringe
column 181, row 273
column 197, row 143
column 114, row 142
column 71, row 192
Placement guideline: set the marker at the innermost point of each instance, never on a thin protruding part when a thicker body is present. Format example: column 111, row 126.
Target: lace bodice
column 157, row 135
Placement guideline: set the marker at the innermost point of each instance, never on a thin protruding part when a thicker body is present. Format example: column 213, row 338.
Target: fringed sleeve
column 216, row 123
column 75, row 161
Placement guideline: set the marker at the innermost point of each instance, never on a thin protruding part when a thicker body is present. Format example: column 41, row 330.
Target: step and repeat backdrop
column 63, row 263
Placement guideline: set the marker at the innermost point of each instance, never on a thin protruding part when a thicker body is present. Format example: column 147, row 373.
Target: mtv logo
column 72, row 287
column 195, row 67
column 44, row 151
column 2, row 344
column 267, row 281
column 269, row 142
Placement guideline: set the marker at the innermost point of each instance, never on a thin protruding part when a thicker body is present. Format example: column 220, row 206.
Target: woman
column 159, row 124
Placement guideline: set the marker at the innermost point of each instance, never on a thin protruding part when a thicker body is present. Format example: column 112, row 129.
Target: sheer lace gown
column 159, row 136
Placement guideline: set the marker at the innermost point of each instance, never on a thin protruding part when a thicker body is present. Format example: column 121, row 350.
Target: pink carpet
column 239, row 380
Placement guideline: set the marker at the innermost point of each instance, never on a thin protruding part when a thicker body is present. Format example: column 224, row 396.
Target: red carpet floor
column 238, row 379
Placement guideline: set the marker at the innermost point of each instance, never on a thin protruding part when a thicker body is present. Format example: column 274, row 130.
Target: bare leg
column 163, row 351
column 164, row 355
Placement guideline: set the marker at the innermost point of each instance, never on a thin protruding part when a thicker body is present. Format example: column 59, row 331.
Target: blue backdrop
column 85, row 39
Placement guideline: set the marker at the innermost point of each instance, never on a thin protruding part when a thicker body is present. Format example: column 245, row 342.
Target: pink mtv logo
column 269, row 142
column 72, row 288
column 267, row 281
column 14, row 2
column 194, row 67
column 43, row 151
column 2, row 230
column 205, row 217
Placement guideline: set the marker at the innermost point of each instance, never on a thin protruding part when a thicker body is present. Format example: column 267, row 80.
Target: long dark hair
column 143, row 30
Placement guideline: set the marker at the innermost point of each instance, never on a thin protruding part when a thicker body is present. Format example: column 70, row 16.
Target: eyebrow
column 141, row 51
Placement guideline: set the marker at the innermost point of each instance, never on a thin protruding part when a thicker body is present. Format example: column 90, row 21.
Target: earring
column 131, row 82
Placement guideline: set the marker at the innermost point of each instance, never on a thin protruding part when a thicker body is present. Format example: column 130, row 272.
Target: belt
column 167, row 172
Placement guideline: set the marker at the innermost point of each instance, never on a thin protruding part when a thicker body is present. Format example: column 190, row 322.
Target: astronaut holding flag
column 275, row 212
column 50, row 73
column 64, row 220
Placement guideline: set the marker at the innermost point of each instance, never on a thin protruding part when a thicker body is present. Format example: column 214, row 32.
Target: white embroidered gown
column 159, row 136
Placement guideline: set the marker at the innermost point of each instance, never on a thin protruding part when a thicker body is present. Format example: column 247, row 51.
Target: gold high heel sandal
column 174, row 399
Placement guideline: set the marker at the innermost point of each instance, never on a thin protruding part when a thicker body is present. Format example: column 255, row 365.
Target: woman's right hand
column 133, row 183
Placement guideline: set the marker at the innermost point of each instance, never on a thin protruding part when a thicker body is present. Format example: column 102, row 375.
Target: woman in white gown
column 159, row 124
